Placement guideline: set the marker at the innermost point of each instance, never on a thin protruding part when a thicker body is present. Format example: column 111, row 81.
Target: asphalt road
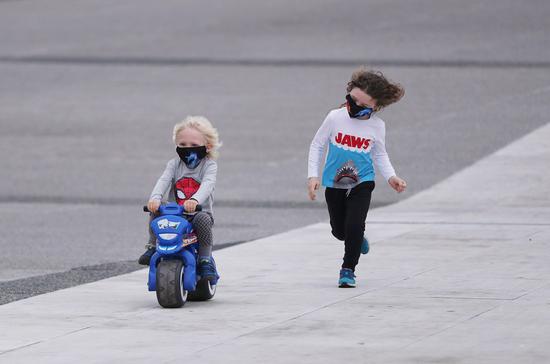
column 90, row 90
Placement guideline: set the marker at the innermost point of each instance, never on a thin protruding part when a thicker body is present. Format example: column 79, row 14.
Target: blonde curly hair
column 205, row 127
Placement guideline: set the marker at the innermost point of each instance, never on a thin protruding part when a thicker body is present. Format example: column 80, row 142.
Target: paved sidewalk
column 456, row 274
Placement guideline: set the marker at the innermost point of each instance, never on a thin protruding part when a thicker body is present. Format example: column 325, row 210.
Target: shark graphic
column 346, row 176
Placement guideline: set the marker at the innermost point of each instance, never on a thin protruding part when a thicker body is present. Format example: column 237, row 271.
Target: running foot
column 347, row 278
column 365, row 246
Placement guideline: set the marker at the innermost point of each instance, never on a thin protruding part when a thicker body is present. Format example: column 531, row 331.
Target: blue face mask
column 191, row 156
column 356, row 111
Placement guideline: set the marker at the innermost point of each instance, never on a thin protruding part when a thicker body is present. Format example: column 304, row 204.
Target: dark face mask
column 356, row 111
column 191, row 156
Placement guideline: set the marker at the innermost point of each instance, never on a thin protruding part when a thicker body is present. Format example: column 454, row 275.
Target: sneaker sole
column 143, row 262
column 208, row 277
column 346, row 285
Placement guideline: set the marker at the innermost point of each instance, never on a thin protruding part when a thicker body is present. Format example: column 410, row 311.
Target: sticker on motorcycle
column 165, row 224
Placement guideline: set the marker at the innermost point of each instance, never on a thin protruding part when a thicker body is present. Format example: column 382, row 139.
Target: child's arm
column 208, row 183
column 162, row 186
column 383, row 163
column 316, row 150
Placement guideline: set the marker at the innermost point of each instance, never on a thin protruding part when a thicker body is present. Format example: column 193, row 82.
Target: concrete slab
column 457, row 274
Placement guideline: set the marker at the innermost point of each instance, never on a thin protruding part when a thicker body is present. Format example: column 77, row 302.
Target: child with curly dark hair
column 356, row 142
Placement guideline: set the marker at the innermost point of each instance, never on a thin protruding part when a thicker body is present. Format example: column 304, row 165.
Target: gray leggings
column 202, row 226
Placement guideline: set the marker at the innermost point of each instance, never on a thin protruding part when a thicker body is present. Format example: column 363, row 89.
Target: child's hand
column 153, row 205
column 397, row 184
column 190, row 205
column 312, row 186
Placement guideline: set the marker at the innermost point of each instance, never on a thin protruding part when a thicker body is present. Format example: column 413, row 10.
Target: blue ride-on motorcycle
column 173, row 267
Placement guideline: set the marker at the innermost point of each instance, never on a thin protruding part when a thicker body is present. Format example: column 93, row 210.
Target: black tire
column 170, row 292
column 203, row 292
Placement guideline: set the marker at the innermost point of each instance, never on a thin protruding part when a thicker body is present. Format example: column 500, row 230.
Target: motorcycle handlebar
column 197, row 208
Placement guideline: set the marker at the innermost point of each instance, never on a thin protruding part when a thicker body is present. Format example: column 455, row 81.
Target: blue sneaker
column 207, row 269
column 347, row 278
column 365, row 246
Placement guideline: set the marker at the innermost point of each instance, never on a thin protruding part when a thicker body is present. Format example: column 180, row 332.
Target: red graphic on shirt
column 352, row 141
column 185, row 189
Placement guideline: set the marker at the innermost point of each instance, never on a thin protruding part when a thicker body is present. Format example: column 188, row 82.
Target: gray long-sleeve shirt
column 179, row 183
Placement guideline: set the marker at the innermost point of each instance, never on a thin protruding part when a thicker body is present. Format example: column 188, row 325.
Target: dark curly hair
column 376, row 86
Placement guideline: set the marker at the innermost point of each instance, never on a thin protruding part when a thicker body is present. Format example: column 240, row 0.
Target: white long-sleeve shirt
column 354, row 145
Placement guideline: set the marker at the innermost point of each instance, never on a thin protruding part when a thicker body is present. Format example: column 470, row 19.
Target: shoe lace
column 347, row 273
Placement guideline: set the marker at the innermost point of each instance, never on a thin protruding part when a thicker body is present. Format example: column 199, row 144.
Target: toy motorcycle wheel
column 170, row 292
column 204, row 291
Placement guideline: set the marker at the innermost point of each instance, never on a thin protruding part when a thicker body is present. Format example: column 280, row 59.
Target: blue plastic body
column 170, row 228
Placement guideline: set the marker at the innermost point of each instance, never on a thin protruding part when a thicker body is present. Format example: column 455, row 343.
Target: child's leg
column 202, row 225
column 336, row 203
column 145, row 258
column 152, row 238
column 357, row 206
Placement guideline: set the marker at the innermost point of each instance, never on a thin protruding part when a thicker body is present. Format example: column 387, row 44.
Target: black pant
column 348, row 211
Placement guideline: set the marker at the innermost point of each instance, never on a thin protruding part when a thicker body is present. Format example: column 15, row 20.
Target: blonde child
column 189, row 180
column 356, row 139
